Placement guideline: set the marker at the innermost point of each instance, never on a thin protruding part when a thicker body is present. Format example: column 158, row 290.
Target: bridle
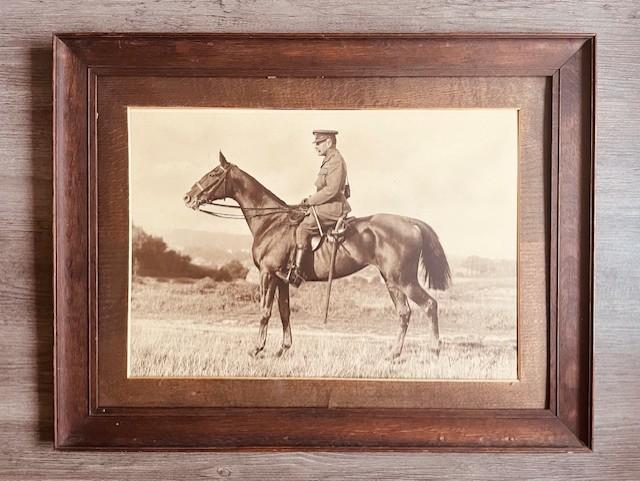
column 221, row 181
column 248, row 211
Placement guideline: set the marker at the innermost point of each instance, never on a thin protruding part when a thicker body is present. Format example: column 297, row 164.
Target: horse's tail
column 435, row 267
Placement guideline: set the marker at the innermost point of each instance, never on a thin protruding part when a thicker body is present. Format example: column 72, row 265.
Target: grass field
column 206, row 328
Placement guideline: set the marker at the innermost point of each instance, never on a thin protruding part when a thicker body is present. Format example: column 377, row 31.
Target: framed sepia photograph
column 232, row 270
column 323, row 242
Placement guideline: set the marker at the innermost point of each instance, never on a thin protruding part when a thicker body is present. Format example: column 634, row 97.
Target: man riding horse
column 324, row 207
column 403, row 249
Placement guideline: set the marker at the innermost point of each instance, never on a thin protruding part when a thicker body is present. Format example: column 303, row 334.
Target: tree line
column 153, row 258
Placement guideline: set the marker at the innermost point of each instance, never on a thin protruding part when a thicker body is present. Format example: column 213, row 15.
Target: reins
column 261, row 211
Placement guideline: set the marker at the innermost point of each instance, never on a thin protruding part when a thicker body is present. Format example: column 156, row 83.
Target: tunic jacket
column 329, row 200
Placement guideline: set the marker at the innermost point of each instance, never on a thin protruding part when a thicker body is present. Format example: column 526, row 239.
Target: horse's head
column 212, row 186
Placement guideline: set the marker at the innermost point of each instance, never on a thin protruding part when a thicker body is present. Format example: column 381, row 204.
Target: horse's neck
column 252, row 196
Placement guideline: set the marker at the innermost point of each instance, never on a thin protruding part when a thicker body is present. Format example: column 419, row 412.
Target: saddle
column 332, row 232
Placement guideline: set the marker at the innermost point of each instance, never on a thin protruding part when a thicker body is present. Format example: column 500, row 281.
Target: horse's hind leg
column 267, row 292
column 404, row 311
column 285, row 312
column 418, row 295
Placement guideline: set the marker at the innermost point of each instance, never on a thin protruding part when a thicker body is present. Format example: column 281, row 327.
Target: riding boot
column 296, row 276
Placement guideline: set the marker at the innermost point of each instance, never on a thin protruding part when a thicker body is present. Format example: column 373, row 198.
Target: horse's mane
column 262, row 186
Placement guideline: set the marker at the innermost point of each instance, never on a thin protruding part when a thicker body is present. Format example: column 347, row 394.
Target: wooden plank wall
column 25, row 233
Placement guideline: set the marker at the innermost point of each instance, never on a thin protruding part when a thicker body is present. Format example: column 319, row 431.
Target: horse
column 400, row 247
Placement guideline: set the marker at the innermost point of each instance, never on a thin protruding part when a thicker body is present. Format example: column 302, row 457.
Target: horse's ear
column 223, row 160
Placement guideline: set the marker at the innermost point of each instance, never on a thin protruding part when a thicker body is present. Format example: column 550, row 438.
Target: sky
column 455, row 169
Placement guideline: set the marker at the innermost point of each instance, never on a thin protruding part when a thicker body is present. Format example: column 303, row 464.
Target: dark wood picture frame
column 566, row 62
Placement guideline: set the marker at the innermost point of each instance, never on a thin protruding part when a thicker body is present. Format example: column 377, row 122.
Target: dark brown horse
column 397, row 246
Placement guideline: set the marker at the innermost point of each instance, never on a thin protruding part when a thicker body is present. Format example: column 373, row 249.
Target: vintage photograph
column 361, row 244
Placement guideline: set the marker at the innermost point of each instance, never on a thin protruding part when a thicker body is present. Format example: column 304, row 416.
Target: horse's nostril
column 187, row 198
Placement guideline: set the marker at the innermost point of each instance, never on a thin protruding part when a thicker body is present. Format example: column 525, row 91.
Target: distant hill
column 217, row 248
column 211, row 248
column 476, row 266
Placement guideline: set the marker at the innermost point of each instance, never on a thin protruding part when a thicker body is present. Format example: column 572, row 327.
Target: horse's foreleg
column 267, row 291
column 404, row 311
column 285, row 312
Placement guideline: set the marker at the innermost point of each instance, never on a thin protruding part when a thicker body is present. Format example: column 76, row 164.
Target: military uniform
column 329, row 200
column 329, row 203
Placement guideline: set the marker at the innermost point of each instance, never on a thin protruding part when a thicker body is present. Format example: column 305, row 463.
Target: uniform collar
column 331, row 151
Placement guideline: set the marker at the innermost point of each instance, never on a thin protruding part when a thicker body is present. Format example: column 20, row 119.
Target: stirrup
column 336, row 234
column 292, row 277
column 295, row 279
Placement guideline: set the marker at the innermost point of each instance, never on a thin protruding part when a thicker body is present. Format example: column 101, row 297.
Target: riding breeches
column 305, row 230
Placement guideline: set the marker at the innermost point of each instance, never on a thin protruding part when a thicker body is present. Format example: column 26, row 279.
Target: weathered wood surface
column 25, row 234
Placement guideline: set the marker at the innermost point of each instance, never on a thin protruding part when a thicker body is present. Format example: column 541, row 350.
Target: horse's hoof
column 254, row 352
column 392, row 356
column 435, row 351
column 435, row 347
column 282, row 351
column 439, row 348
